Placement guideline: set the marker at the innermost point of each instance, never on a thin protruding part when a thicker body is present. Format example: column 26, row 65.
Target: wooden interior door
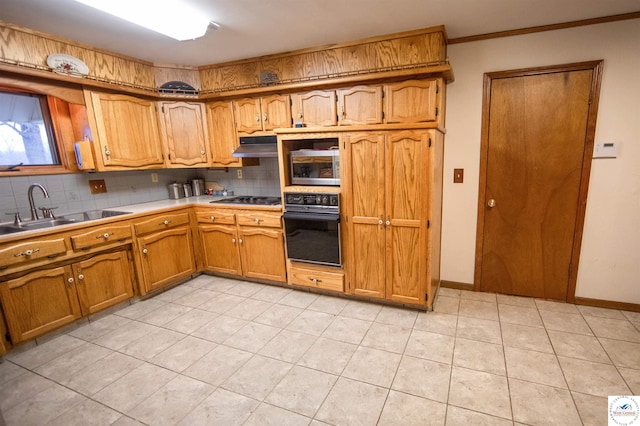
column 538, row 128
column 406, row 220
column 365, row 213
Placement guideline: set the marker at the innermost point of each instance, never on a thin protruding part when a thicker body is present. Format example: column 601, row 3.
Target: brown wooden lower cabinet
column 262, row 253
column 165, row 257
column 249, row 244
column 103, row 280
column 220, row 249
column 316, row 276
column 44, row 300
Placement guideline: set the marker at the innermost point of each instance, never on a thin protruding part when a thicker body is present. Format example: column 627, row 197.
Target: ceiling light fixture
column 169, row 17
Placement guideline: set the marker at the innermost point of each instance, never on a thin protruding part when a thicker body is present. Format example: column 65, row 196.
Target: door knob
column 491, row 203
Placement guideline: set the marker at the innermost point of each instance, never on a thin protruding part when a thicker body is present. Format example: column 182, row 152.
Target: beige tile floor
column 215, row 351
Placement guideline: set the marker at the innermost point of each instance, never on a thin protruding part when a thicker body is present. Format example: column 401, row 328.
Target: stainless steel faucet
column 34, row 213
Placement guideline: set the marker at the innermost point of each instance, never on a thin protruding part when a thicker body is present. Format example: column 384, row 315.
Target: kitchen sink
column 62, row 220
column 92, row 215
column 9, row 229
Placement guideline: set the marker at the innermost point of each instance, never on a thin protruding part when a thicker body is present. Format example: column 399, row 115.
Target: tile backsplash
column 71, row 194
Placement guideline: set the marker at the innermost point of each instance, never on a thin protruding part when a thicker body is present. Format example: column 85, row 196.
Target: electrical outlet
column 154, row 177
column 97, row 186
column 239, row 171
column 458, row 175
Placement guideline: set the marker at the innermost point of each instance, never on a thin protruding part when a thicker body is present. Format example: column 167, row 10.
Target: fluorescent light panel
column 169, row 17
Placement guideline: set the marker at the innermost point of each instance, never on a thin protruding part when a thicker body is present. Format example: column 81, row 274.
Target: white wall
column 610, row 256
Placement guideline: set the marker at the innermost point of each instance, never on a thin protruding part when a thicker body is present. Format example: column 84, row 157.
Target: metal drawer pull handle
column 315, row 280
column 105, row 235
column 165, row 222
column 28, row 252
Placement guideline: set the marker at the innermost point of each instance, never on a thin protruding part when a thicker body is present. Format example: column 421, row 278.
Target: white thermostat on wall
column 605, row 150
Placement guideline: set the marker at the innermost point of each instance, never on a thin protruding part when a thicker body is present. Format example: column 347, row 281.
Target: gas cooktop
column 263, row 201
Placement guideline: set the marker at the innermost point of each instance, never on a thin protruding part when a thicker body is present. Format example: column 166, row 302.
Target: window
column 26, row 132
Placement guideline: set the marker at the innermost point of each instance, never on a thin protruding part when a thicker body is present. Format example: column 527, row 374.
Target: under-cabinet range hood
column 257, row 147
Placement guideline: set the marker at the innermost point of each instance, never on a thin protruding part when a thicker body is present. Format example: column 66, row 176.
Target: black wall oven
column 312, row 228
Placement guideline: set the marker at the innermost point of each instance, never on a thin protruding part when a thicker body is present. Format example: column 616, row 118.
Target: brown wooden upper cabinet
column 360, row 105
column 315, row 108
column 262, row 114
column 126, row 134
column 412, row 101
column 223, row 138
column 183, row 134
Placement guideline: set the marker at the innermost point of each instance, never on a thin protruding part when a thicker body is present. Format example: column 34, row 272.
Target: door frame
column 596, row 67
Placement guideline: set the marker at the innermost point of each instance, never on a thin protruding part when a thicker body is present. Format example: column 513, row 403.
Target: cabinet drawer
column 318, row 279
column 101, row 236
column 217, row 217
column 268, row 220
column 161, row 222
column 32, row 250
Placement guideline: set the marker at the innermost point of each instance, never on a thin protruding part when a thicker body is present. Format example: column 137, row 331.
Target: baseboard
column 609, row 304
column 456, row 285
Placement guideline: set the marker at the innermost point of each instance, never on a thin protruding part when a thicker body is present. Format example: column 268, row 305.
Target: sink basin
column 92, row 215
column 62, row 220
column 9, row 229
column 43, row 223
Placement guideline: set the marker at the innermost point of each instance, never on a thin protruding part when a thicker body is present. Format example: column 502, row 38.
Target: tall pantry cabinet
column 393, row 193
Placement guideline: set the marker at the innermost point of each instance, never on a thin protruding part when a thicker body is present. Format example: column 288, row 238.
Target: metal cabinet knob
column 80, row 277
column 212, row 217
column 240, row 241
column 70, row 280
column 491, row 203
column 145, row 251
column 233, row 241
column 166, row 222
column 388, row 223
column 380, row 222
column 257, row 117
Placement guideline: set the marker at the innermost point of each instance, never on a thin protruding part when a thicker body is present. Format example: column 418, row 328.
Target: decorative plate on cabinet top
column 67, row 64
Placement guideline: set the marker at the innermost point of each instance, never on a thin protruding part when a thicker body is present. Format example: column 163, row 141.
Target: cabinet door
column 166, row 257
column 247, row 114
column 364, row 182
column 184, row 134
column 262, row 254
column 128, row 135
column 220, row 249
column 407, row 195
column 360, row 105
column 276, row 112
column 39, row 302
column 223, row 139
column 412, row 101
column 102, row 281
column 316, row 108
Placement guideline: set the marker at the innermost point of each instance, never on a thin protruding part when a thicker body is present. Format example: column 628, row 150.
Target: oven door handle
column 324, row 217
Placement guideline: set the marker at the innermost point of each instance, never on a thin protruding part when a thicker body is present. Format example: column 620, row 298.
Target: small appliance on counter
column 176, row 191
column 197, row 187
